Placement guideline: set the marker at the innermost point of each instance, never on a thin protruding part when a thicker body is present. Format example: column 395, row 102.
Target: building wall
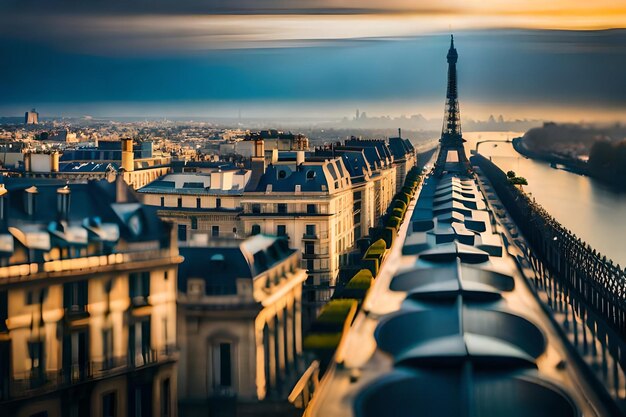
column 261, row 323
column 57, row 328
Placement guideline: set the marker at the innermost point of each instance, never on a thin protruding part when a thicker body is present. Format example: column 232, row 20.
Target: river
column 591, row 210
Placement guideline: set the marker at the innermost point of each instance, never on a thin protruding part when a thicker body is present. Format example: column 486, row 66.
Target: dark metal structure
column 451, row 141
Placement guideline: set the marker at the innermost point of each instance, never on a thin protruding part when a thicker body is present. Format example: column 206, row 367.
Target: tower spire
column 451, row 136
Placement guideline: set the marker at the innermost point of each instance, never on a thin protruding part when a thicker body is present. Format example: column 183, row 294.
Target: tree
column 518, row 181
column 510, row 174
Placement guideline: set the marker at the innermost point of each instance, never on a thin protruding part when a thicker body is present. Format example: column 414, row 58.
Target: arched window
column 256, row 229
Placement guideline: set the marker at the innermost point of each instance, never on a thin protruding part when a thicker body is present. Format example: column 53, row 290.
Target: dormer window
column 310, row 175
column 282, row 174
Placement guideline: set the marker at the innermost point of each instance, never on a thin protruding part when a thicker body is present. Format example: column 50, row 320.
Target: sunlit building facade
column 138, row 163
column 201, row 204
column 239, row 326
column 87, row 302
column 310, row 202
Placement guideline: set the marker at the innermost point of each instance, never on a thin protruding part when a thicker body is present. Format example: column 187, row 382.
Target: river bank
column 590, row 208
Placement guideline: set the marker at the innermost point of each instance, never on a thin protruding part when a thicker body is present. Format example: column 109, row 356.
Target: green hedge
column 389, row 235
column 398, row 212
column 335, row 311
column 374, row 256
column 394, row 222
column 322, row 341
column 362, row 280
column 398, row 204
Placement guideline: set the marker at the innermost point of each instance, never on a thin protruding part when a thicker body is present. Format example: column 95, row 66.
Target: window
column 215, row 231
column 162, row 201
column 4, row 315
column 310, row 265
column 182, row 232
column 198, row 202
column 281, row 230
column 256, row 229
column 256, row 208
column 166, row 408
column 139, row 287
column 225, row 365
column 75, row 296
column 109, row 406
column 107, row 348
column 311, row 208
column 309, row 248
column 180, row 202
column 194, row 223
column 36, row 353
column 218, row 202
column 310, row 230
column 357, row 195
column 140, row 350
column 310, row 174
column 281, row 208
column 222, row 366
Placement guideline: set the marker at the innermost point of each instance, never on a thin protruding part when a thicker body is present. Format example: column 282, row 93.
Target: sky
column 559, row 60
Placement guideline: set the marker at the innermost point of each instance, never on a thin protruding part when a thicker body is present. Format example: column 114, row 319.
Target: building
column 87, row 302
column 31, row 117
column 202, row 203
column 310, row 201
column 239, row 326
column 138, row 162
column 404, row 157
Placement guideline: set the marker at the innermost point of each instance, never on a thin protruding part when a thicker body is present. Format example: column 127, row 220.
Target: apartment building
column 239, row 326
column 309, row 201
column 87, row 302
column 202, row 204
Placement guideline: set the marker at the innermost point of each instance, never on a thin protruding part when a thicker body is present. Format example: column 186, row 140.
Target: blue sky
column 142, row 66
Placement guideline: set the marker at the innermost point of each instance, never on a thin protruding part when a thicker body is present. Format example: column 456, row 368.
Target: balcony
column 28, row 383
column 315, row 255
column 315, row 235
column 86, row 265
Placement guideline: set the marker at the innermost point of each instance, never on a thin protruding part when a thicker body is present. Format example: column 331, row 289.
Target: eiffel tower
column 451, row 157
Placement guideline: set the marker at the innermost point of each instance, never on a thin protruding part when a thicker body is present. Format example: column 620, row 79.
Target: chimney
column 3, row 204
column 63, row 203
column 299, row 157
column 121, row 188
column 128, row 156
column 399, row 132
column 257, row 164
column 54, row 162
column 27, row 162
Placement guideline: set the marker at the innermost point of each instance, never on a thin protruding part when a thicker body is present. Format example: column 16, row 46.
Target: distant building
column 404, row 157
column 239, row 327
column 87, row 302
column 139, row 164
column 31, row 117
